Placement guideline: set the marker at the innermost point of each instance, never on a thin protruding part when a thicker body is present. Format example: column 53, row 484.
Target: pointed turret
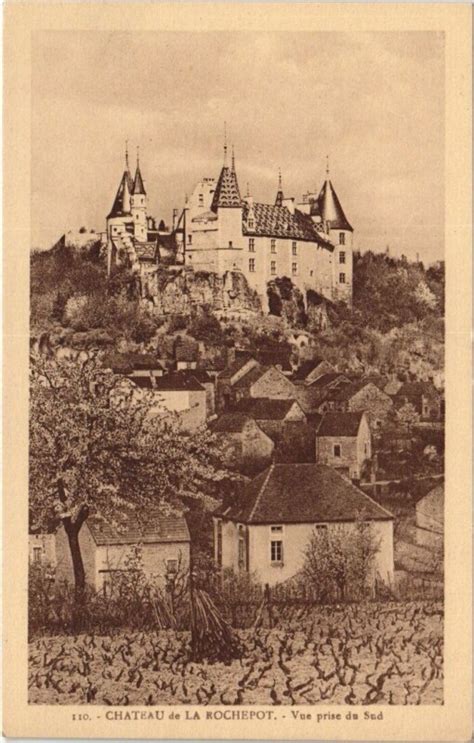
column 330, row 207
column 280, row 196
column 227, row 193
column 121, row 203
column 138, row 186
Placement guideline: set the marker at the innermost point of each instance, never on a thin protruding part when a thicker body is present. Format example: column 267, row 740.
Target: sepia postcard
column 237, row 331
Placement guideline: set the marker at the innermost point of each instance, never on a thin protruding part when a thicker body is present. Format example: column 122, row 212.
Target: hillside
column 396, row 324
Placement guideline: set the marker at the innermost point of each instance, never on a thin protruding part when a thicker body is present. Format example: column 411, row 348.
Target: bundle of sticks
column 212, row 638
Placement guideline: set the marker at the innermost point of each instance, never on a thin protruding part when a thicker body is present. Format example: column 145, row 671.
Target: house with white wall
column 105, row 549
column 267, row 529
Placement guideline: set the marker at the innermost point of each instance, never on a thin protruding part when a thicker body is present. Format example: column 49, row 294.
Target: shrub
column 206, row 327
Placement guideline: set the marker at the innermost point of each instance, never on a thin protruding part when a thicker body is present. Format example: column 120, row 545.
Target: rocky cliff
column 181, row 290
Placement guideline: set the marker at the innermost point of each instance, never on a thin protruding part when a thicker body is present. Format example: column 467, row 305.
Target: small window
column 252, row 244
column 273, row 246
column 252, row 265
column 171, row 566
column 276, row 550
column 137, row 216
column 230, row 243
column 342, row 257
column 201, row 199
column 342, row 278
column 321, row 527
column 250, row 224
column 294, row 248
column 294, row 269
column 190, row 239
column 276, row 529
column 311, row 273
column 342, row 238
column 337, row 450
column 37, row 554
column 273, row 268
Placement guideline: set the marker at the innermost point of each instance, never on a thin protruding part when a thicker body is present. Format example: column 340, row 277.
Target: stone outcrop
column 181, row 291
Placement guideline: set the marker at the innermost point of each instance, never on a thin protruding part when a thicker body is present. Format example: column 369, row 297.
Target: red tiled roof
column 145, row 527
column 301, row 493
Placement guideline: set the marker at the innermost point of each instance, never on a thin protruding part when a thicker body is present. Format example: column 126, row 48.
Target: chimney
column 290, row 204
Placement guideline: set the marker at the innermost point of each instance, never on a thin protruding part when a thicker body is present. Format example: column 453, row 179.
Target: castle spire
column 330, row 207
column 127, row 167
column 279, row 196
column 225, row 143
column 138, row 185
column 233, row 159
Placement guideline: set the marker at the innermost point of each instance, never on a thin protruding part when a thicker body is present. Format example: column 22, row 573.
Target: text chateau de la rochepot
column 310, row 242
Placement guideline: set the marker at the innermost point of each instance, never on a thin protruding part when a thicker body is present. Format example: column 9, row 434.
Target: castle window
column 273, row 268
column 190, row 239
column 342, row 238
column 137, row 216
column 337, row 450
column 273, row 245
column 342, row 278
column 294, row 248
column 37, row 554
column 201, row 199
column 342, row 257
column 252, row 244
column 230, row 243
column 251, row 265
column 294, row 269
column 250, row 224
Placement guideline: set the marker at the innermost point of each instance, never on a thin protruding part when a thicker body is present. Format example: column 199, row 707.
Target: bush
column 176, row 323
column 206, row 327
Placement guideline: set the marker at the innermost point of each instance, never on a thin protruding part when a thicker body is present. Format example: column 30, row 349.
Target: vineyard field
column 357, row 654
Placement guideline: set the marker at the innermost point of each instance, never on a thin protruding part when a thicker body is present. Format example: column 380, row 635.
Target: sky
column 372, row 102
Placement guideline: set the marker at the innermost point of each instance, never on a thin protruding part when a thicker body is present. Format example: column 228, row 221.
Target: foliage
column 342, row 557
column 407, row 415
column 206, row 327
column 95, row 449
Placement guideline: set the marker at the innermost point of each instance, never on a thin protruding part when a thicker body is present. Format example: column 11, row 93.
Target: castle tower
column 227, row 204
column 340, row 233
column 120, row 211
column 138, row 205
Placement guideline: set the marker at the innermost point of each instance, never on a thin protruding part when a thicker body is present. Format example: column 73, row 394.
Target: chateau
column 218, row 231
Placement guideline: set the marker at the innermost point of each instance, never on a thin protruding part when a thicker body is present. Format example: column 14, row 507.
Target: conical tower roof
column 121, row 203
column 138, row 186
column 227, row 192
column 331, row 209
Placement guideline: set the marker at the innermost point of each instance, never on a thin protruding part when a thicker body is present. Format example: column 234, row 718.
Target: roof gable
column 265, row 408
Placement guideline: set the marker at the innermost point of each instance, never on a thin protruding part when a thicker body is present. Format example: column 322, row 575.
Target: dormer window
column 251, row 224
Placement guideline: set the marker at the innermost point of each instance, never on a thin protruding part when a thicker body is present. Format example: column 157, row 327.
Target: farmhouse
column 178, row 393
column 164, row 541
column 343, row 441
column 424, row 397
column 265, row 532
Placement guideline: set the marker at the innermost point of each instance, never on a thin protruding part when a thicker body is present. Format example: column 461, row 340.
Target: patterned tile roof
column 302, row 493
column 278, row 221
column 145, row 527
column 146, row 251
column 227, row 192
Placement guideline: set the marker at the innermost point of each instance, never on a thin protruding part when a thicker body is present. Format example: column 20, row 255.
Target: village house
column 343, row 441
column 134, row 365
column 178, row 393
column 364, row 395
column 311, row 370
column 281, row 359
column 230, row 376
column 271, row 415
column 264, row 381
column 317, row 396
column 186, row 353
column 246, row 446
column 41, row 549
column 164, row 541
column 206, row 381
column 430, row 518
column 266, row 530
column 424, row 397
